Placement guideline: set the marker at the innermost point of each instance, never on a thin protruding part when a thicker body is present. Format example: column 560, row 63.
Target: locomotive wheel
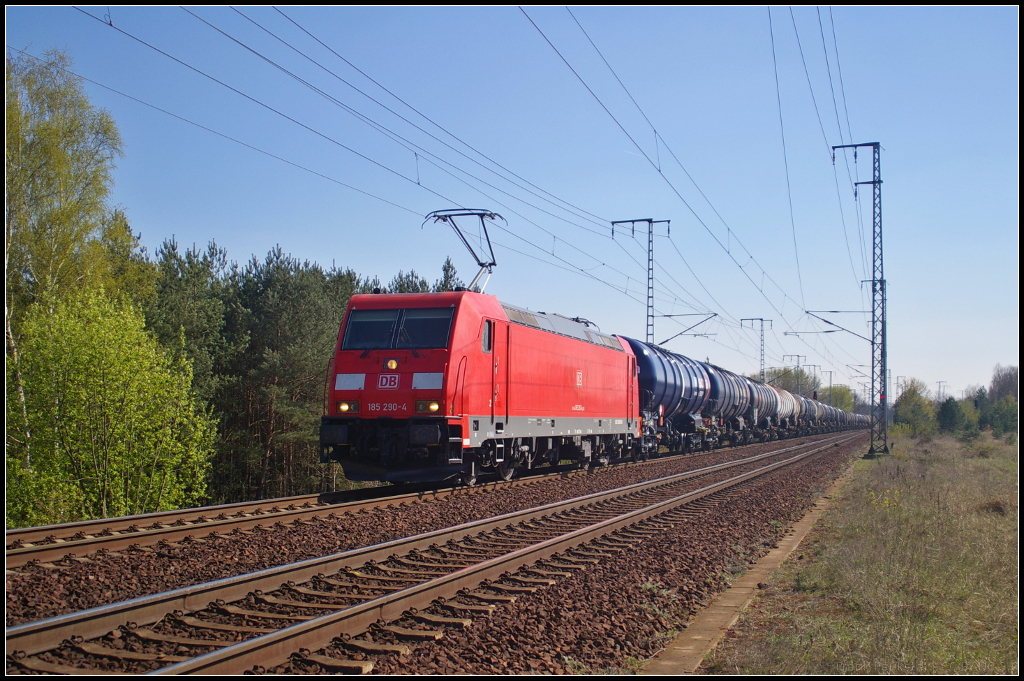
column 506, row 469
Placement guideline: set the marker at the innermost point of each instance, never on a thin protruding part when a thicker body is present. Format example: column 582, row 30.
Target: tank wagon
column 439, row 386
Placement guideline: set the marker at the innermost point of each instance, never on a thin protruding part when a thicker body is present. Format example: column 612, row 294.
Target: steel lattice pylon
column 650, row 265
column 879, row 368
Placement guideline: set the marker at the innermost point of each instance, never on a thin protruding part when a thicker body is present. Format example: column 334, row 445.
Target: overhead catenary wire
column 291, row 119
column 599, row 219
column 402, row 140
column 227, row 137
column 657, row 165
column 665, row 178
column 785, row 159
column 406, row 143
column 268, row 107
column 321, row 134
column 729, row 231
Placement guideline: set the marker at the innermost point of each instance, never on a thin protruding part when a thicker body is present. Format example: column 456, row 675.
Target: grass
column 913, row 571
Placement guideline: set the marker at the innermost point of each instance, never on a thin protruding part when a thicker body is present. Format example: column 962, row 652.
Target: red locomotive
column 436, row 386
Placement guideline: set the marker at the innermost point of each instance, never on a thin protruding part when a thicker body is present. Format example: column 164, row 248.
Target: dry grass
column 914, row 571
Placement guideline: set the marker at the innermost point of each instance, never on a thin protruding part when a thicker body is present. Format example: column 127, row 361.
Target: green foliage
column 915, row 410
column 996, row 407
column 798, row 381
column 118, row 263
column 114, row 427
column 449, row 280
column 841, row 397
column 189, row 300
column 1003, row 416
column 284, row 315
column 951, row 416
column 408, row 283
column 60, row 154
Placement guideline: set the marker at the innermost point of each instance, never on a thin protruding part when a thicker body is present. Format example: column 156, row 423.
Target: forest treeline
column 139, row 382
column 993, row 409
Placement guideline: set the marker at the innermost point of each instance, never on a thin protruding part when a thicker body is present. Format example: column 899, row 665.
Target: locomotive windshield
column 419, row 328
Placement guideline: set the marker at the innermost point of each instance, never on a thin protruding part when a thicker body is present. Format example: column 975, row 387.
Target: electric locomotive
column 437, row 386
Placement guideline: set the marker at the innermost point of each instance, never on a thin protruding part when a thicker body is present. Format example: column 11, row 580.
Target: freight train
column 457, row 385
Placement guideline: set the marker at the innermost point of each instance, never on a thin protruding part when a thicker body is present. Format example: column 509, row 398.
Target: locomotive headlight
column 348, row 407
column 427, row 407
column 433, row 406
column 392, row 364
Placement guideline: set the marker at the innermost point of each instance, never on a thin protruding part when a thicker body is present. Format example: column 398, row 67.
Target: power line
column 600, row 262
column 785, row 160
column 807, row 73
column 267, row 106
column 394, row 136
column 227, row 137
column 599, row 219
column 667, row 181
column 256, row 101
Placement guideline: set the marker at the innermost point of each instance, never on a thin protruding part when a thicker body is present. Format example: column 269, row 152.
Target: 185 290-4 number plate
column 386, row 406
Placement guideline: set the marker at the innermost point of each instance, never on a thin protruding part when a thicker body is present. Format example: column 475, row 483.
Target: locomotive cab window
column 368, row 329
column 485, row 341
column 422, row 329
column 425, row 328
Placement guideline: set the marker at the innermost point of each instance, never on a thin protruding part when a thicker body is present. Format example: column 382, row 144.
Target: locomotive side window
column 486, row 341
column 369, row 329
column 425, row 329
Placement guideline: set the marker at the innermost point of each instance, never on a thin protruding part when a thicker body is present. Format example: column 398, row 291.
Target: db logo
column 579, row 379
column 387, row 382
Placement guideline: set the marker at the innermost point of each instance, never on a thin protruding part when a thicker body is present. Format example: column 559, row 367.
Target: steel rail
column 275, row 648
column 126, row 532
column 54, row 542
column 42, row 635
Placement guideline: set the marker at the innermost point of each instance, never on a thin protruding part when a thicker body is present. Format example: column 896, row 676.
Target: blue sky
column 938, row 87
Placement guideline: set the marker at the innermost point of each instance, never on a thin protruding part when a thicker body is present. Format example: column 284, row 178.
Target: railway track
column 53, row 542
column 79, row 539
column 229, row 625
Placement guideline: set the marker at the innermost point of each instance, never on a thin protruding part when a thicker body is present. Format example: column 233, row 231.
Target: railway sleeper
column 33, row 664
column 333, row 663
column 372, row 647
column 448, row 551
column 245, row 612
column 541, row 581
column 580, row 561
column 103, row 651
column 197, row 623
column 509, row 589
column 466, row 607
column 451, row 564
column 379, row 578
column 547, row 573
column 488, row 598
column 428, row 618
column 320, row 594
column 147, row 635
column 417, row 574
column 418, row 634
column 289, row 603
